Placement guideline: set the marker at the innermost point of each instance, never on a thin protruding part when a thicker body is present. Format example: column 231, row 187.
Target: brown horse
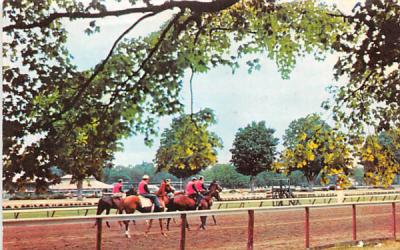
column 107, row 203
column 133, row 203
column 183, row 202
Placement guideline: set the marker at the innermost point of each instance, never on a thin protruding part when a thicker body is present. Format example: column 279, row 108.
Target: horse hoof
column 128, row 236
column 164, row 234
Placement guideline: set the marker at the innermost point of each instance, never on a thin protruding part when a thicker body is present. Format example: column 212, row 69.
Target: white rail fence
column 51, row 212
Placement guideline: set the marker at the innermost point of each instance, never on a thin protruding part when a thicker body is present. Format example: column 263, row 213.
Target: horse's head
column 161, row 191
column 214, row 190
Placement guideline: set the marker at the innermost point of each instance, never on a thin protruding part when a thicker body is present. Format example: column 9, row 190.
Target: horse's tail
column 100, row 208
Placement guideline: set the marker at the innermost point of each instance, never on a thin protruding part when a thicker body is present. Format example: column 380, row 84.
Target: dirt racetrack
column 273, row 230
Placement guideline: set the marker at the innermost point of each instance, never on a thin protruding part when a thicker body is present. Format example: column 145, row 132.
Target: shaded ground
column 383, row 245
column 273, row 230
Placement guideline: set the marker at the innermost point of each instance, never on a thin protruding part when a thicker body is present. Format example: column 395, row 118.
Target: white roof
column 88, row 183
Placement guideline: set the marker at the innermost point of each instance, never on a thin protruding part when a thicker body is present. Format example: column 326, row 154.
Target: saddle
column 146, row 202
column 118, row 195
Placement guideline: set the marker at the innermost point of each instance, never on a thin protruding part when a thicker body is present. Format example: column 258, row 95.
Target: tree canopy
column 80, row 116
column 314, row 148
column 369, row 64
column 380, row 156
column 254, row 149
column 188, row 146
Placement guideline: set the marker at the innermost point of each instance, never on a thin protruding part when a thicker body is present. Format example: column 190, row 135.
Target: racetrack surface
column 273, row 230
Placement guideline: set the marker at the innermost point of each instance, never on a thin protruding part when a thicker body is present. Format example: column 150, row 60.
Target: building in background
column 90, row 187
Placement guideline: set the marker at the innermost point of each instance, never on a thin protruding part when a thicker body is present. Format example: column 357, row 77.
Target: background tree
column 226, row 175
column 253, row 150
column 380, row 157
column 358, row 174
column 314, row 148
column 188, row 147
column 134, row 174
column 297, row 178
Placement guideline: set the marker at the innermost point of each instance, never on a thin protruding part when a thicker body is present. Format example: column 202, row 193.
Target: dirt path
column 273, row 230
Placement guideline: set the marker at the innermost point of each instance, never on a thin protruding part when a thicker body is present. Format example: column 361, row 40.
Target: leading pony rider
column 134, row 202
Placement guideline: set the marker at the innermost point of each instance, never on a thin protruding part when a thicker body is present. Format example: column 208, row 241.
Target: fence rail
column 183, row 214
column 51, row 212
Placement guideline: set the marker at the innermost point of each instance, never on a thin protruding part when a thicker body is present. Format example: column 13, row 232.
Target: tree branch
column 153, row 50
column 98, row 69
column 362, row 85
column 151, row 53
column 197, row 6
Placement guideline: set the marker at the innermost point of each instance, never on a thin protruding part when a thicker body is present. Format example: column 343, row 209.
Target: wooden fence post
column 250, row 230
column 183, row 232
column 99, row 222
column 307, row 228
column 394, row 219
column 354, row 222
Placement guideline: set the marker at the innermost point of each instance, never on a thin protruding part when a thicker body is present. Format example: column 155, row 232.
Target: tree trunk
column 310, row 183
column 252, row 183
column 79, row 185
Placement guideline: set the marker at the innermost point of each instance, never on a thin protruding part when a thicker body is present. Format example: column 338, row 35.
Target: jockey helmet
column 194, row 179
column 145, row 177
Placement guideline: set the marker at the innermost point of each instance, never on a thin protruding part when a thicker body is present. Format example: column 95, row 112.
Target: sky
column 237, row 99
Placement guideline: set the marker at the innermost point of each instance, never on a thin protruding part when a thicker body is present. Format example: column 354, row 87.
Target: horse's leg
column 126, row 222
column 127, row 234
column 203, row 220
column 215, row 221
column 119, row 211
column 168, row 221
column 107, row 213
column 161, row 227
column 148, row 227
column 187, row 225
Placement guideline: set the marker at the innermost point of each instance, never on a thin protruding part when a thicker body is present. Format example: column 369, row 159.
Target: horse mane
column 161, row 190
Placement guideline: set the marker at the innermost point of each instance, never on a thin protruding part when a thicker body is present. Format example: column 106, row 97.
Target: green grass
column 33, row 214
column 269, row 203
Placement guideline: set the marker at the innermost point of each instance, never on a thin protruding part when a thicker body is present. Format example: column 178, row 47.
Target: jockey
column 117, row 189
column 200, row 185
column 145, row 192
column 192, row 191
column 169, row 189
